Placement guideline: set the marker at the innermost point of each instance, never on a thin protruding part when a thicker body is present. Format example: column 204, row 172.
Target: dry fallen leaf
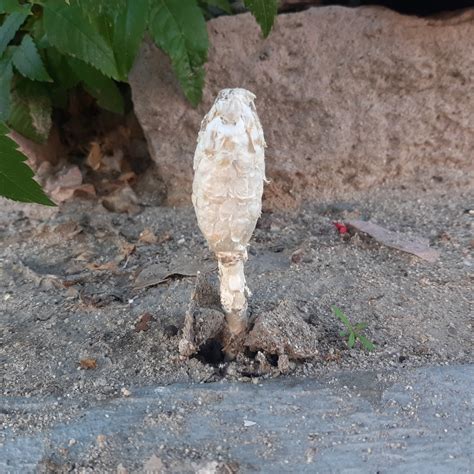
column 88, row 364
column 67, row 177
column 165, row 237
column 126, row 249
column 156, row 273
column 84, row 256
column 68, row 229
column 112, row 162
column 59, row 195
column 148, row 237
column 122, row 200
column 108, row 266
column 94, row 157
column 143, row 324
column 127, row 177
column 415, row 245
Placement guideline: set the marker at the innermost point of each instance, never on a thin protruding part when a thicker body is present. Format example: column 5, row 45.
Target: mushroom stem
column 233, row 289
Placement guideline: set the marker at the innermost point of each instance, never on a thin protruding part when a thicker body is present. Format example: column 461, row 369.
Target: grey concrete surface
column 410, row 421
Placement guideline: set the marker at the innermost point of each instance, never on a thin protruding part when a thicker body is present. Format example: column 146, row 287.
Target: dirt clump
column 283, row 332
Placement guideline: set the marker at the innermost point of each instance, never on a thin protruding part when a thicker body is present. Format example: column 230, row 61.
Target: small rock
column 125, row 392
column 264, row 365
column 248, row 423
column 297, row 256
column 153, row 465
column 284, row 364
column 170, row 330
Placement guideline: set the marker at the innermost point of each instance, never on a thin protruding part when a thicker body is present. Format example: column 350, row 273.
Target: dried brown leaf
column 127, row 177
column 156, row 273
column 67, row 177
column 88, row 364
column 94, row 157
column 418, row 246
column 147, row 236
column 122, row 200
column 143, row 324
column 108, row 266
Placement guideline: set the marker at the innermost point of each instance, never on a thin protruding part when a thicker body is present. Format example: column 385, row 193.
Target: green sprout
column 353, row 332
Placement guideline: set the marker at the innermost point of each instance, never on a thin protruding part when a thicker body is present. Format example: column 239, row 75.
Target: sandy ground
column 77, row 281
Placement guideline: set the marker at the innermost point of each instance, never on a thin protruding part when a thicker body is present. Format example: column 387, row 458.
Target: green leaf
column 95, row 8
column 70, row 31
column 10, row 26
column 28, row 62
column 179, row 29
column 223, row 5
column 360, row 326
column 64, row 77
column 59, row 69
column 351, row 340
column 129, row 27
column 6, row 75
column 99, row 86
column 339, row 314
column 10, row 6
column 343, row 333
column 16, row 178
column 366, row 343
column 264, row 12
column 31, row 110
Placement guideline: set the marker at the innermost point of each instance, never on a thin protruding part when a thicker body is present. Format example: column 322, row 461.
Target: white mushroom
column 229, row 172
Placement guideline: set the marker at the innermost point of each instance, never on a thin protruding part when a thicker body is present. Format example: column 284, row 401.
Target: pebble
column 125, row 392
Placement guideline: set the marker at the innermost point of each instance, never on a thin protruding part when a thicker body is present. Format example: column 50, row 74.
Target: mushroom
column 229, row 173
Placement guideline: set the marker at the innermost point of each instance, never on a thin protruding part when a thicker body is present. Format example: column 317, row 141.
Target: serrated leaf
column 223, row 5
column 339, row 314
column 351, row 340
column 70, row 31
column 264, row 12
column 366, row 343
column 128, row 29
column 28, row 62
column 6, row 76
column 31, row 110
column 179, row 29
column 10, row 26
column 16, row 178
column 99, row 86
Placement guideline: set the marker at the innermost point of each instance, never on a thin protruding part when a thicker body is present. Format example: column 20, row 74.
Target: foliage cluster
column 353, row 332
column 49, row 47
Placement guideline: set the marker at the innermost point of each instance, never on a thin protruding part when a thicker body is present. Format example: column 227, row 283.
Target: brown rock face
column 349, row 99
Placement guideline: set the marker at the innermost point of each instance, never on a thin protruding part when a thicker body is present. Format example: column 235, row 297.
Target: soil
column 91, row 311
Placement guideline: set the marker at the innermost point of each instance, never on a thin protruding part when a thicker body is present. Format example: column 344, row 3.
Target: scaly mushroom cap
column 229, row 171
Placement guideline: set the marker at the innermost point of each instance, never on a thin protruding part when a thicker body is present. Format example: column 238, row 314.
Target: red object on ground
column 341, row 227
